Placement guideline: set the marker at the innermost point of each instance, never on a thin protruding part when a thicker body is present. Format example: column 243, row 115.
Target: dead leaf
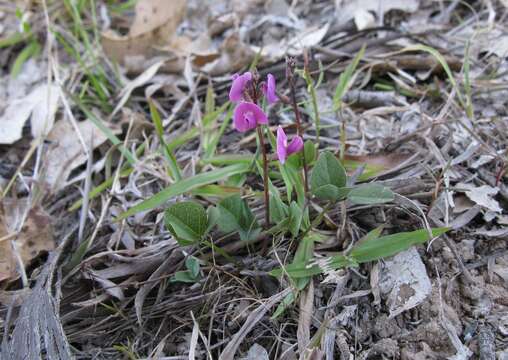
column 307, row 39
column 234, row 55
column 66, row 152
column 482, row 196
column 256, row 352
column 141, row 80
column 405, row 281
column 41, row 103
column 154, row 25
column 364, row 19
column 346, row 10
column 35, row 235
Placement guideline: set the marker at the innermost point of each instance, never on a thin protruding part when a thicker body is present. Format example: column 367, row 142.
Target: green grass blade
column 159, row 129
column 389, row 245
column 442, row 61
column 105, row 130
column 345, row 80
column 183, row 186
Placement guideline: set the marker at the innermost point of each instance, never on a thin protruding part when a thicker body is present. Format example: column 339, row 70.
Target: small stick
column 290, row 67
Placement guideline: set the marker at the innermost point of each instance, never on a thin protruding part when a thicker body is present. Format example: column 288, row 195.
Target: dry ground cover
column 134, row 182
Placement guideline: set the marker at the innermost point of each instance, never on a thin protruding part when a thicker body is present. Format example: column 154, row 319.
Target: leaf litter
column 402, row 124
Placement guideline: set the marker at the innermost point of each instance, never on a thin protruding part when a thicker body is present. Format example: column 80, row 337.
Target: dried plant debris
column 25, row 232
column 140, row 219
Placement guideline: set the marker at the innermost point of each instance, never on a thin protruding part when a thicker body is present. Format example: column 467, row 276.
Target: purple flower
column 247, row 116
column 269, row 89
column 238, row 85
column 283, row 149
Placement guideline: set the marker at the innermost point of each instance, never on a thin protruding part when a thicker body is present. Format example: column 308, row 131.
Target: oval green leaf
column 369, row 194
column 187, row 221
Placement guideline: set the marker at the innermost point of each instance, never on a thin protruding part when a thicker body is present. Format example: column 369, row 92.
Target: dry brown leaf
column 35, row 236
column 234, row 55
column 66, row 151
column 154, row 26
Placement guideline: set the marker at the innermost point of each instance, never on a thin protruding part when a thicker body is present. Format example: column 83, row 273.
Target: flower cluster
column 248, row 115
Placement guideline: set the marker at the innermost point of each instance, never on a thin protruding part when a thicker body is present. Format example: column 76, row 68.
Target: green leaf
column 159, row 129
column 331, row 192
column 209, row 99
column 184, row 186
column 213, row 217
column 192, row 264
column 371, row 235
column 183, row 276
column 442, row 61
column 370, row 194
column 328, row 179
column 284, row 304
column 235, row 215
column 328, row 171
column 377, row 248
column 187, row 221
column 303, row 255
column 295, row 218
column 309, row 151
column 278, row 210
column 345, row 79
column 370, row 248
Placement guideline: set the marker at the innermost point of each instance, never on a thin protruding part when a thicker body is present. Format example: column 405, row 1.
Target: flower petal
column 238, row 85
column 281, row 145
column 270, row 89
column 247, row 116
column 295, row 145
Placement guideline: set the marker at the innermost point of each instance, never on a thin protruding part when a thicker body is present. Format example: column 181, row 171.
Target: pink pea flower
column 269, row 89
column 247, row 116
column 238, row 86
column 283, row 149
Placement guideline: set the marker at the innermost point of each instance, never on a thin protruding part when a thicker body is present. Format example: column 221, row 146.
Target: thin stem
column 291, row 81
column 265, row 175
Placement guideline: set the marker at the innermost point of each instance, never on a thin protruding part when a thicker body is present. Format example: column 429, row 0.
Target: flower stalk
column 290, row 71
column 265, row 175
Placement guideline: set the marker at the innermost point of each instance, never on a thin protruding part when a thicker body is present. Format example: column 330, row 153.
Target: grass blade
column 184, row 186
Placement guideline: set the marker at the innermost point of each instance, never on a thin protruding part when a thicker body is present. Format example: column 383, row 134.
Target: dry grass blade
column 230, row 350
column 305, row 318
column 38, row 329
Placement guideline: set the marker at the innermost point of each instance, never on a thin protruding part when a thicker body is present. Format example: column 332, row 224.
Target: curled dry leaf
column 41, row 104
column 35, row 236
column 482, row 195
